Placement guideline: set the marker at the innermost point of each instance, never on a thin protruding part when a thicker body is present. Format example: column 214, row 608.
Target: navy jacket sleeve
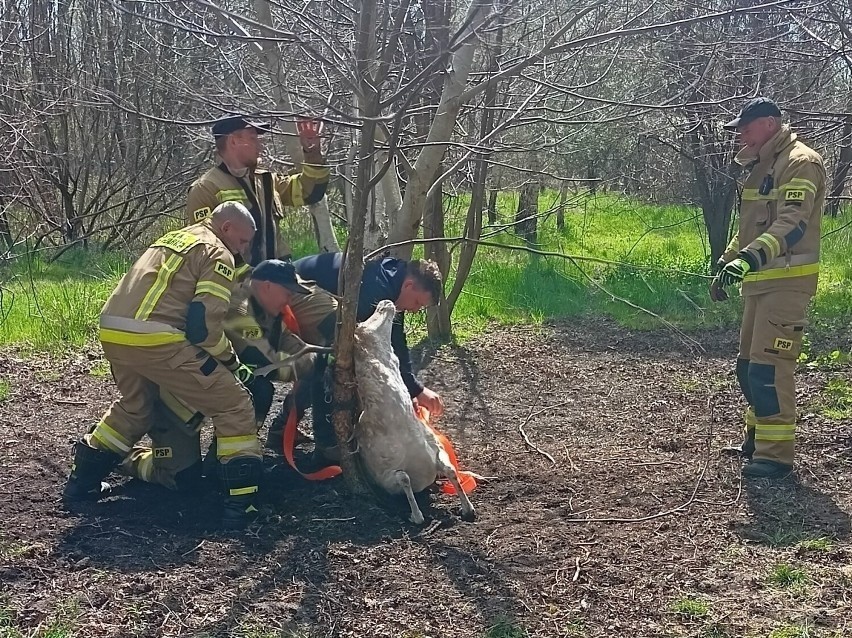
column 400, row 348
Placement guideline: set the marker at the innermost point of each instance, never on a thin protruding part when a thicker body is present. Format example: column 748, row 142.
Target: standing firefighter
column 236, row 177
column 162, row 327
column 776, row 257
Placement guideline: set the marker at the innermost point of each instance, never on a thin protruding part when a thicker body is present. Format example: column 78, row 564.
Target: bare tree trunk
column 271, row 54
column 841, row 169
column 432, row 153
column 345, row 384
column 560, row 211
column 526, row 218
column 437, row 319
column 492, row 203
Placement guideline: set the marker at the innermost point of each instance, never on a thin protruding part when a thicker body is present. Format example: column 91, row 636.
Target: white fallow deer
column 401, row 455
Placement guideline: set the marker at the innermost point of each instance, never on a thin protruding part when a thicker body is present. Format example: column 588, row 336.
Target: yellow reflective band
column 775, row 432
column 231, row 445
column 239, row 491
column 201, row 214
column 753, row 195
column 242, row 271
column 220, row 346
column 178, row 240
column 800, row 183
column 782, row 273
column 164, row 277
column 145, row 466
column 234, row 195
column 750, row 418
column 296, row 196
column 212, row 288
column 111, row 439
column 772, row 244
column 774, row 437
column 145, row 340
column 314, row 172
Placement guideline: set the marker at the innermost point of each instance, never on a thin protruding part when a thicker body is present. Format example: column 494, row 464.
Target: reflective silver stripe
column 794, row 260
column 125, row 324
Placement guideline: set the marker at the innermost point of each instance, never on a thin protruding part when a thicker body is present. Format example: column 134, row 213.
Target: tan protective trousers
column 771, row 339
column 192, row 376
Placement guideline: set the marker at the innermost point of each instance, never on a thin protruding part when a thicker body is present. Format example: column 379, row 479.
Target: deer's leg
column 446, row 469
column 404, row 482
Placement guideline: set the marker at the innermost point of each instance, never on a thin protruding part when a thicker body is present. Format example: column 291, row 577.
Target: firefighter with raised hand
column 775, row 256
column 236, row 177
column 163, row 327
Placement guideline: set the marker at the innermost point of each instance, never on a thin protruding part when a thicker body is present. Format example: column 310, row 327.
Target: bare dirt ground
column 627, row 522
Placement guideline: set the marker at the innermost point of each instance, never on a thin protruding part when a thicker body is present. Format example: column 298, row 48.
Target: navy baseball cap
column 281, row 273
column 229, row 125
column 753, row 109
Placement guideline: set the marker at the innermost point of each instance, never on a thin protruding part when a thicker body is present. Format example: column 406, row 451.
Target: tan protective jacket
column 270, row 192
column 151, row 304
column 780, row 223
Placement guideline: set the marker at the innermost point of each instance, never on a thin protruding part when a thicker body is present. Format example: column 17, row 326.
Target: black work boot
column 240, row 480
column 89, row 469
column 764, row 468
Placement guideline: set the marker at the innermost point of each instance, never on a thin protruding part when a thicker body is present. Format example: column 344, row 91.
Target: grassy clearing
column 662, row 267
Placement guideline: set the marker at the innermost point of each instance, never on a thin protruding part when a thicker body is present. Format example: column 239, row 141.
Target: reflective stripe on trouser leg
column 778, row 328
column 212, row 391
column 104, row 437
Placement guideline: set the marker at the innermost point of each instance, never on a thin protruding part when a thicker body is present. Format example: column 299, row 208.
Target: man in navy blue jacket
column 411, row 285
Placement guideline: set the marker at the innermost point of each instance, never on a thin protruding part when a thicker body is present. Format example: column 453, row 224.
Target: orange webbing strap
column 290, row 442
column 290, row 321
column 466, row 479
column 292, row 425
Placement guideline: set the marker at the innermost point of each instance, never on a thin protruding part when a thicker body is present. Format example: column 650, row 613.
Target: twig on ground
column 193, row 549
column 577, row 570
column 70, row 402
column 533, row 413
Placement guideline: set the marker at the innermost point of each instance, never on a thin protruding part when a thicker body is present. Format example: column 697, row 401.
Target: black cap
column 753, row 109
column 228, row 125
column 281, row 273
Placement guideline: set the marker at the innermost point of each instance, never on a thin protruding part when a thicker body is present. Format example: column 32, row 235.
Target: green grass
column 836, row 399
column 663, row 268
column 793, row 631
column 787, row 577
column 691, row 608
column 5, row 389
column 505, row 628
column 818, row 545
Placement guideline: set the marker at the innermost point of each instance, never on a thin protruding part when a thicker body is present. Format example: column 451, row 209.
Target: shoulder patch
column 201, row 214
column 162, row 452
column 794, row 196
column 223, row 269
column 179, row 241
column 252, row 334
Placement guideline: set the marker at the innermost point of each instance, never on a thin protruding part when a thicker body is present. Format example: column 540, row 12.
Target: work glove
column 244, row 374
column 733, row 272
column 717, row 293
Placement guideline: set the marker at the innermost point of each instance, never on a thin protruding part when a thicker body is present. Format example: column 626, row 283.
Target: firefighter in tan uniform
column 259, row 338
column 163, row 327
column 237, row 178
column 776, row 257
